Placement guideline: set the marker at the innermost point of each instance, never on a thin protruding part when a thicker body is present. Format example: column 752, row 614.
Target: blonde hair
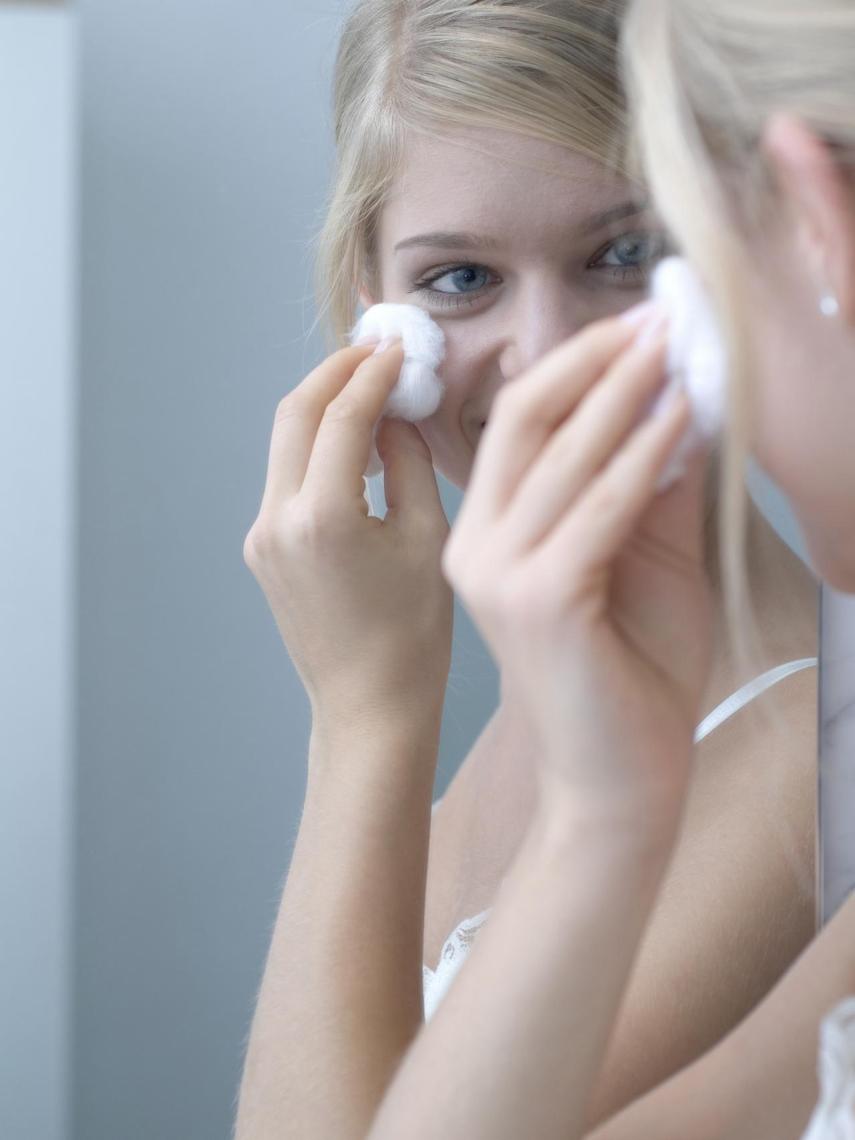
column 547, row 69
column 703, row 78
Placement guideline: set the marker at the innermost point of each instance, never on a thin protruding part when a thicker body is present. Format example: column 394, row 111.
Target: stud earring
column 829, row 306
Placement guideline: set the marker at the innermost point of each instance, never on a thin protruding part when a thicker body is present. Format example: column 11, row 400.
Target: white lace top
column 834, row 1116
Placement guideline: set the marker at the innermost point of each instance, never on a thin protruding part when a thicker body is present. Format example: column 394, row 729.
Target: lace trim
column 454, row 951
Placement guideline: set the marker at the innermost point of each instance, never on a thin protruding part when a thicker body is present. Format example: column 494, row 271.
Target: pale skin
column 537, row 290
column 313, row 1061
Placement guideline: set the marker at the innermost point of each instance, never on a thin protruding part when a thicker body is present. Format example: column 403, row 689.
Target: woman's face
column 511, row 245
column 803, row 396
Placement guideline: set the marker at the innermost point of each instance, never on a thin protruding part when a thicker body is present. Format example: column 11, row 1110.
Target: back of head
column 703, row 78
column 541, row 68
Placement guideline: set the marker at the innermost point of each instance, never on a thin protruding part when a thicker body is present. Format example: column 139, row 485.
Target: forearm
column 516, row 1044
column 341, row 995
column 760, row 1081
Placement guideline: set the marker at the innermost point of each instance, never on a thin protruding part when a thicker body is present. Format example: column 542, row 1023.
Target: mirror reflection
column 483, row 175
column 366, row 762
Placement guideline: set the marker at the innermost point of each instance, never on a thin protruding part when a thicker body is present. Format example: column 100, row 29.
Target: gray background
column 156, row 728
column 205, row 154
column 37, row 509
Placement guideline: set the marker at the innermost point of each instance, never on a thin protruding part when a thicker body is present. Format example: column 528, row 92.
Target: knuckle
column 344, row 408
column 293, row 405
column 300, row 527
column 260, row 543
column 250, row 551
column 309, row 527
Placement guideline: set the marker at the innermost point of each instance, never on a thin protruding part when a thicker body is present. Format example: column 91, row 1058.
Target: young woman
column 479, row 176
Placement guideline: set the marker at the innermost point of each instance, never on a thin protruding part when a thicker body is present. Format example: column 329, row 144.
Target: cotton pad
column 697, row 359
column 419, row 391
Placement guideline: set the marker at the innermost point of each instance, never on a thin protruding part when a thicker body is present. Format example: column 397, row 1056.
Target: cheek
column 461, row 372
column 795, row 423
column 466, row 347
column 777, row 394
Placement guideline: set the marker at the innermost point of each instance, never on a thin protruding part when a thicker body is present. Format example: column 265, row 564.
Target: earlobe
column 821, row 203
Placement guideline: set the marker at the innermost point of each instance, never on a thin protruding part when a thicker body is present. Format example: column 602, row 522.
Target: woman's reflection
column 481, row 176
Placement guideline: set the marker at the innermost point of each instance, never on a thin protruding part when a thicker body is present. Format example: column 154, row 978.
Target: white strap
column 748, row 692
column 737, row 700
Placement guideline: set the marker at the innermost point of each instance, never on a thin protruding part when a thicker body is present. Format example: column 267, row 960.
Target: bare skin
column 728, row 861
column 540, row 275
column 472, row 846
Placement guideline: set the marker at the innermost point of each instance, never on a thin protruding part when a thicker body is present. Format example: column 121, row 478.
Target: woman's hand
column 360, row 602
column 588, row 586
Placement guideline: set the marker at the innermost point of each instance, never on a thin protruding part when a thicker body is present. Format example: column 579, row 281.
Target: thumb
column 409, row 480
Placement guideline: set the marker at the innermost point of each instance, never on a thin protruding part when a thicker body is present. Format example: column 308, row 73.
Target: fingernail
column 365, row 339
column 387, row 342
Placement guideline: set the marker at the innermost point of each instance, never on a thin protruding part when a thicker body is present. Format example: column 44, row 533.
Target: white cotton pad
column 697, row 359
column 419, row 391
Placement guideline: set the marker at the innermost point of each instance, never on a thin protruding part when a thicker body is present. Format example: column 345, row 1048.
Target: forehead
column 496, row 181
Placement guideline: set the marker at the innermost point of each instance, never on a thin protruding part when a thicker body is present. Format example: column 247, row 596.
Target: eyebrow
column 448, row 239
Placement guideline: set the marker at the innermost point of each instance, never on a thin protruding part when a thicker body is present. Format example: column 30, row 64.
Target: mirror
column 836, row 842
column 172, row 164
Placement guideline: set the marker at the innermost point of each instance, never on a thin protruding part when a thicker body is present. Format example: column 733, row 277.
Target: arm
column 759, row 1082
column 733, row 913
column 494, row 1060
column 341, row 996
column 367, row 619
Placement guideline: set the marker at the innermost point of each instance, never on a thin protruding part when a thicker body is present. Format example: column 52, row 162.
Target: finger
column 298, row 417
column 528, row 409
column 409, row 480
column 675, row 518
column 607, row 514
column 334, row 475
column 584, row 443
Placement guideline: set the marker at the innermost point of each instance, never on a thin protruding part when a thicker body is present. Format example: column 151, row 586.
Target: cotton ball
column 697, row 359
column 419, row 391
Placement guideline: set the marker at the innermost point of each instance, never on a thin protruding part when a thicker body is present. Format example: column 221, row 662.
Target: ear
column 820, row 201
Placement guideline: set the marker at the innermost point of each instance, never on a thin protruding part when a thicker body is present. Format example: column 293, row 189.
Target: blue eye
column 630, row 253
column 455, row 285
column 463, row 279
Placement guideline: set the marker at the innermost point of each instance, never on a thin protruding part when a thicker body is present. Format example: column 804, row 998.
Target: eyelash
column 458, row 300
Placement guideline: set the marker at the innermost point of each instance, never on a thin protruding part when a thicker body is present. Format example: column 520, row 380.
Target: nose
column 541, row 318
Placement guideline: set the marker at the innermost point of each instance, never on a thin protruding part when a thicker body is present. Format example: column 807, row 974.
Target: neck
column 784, row 594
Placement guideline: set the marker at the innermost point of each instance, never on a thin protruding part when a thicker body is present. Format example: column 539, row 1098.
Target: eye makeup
column 462, row 274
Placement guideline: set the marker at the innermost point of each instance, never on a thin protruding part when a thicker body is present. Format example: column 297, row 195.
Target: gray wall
column 37, row 235
column 204, row 164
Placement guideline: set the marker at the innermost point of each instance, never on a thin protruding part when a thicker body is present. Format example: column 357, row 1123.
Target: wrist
column 620, row 829
column 368, row 716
